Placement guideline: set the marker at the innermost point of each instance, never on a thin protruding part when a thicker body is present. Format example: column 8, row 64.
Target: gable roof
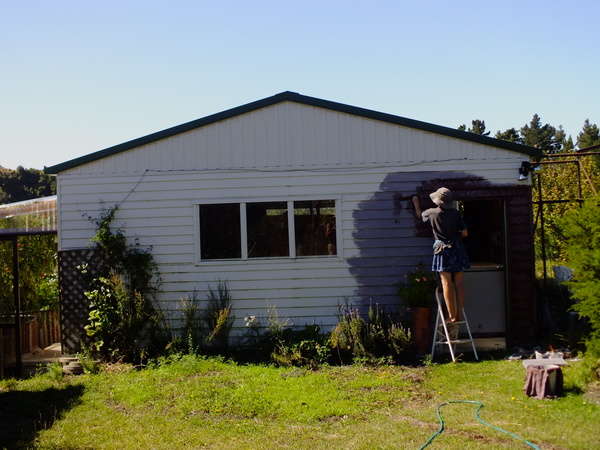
column 302, row 99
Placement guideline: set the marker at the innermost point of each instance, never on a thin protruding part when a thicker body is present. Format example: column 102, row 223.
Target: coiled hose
column 479, row 419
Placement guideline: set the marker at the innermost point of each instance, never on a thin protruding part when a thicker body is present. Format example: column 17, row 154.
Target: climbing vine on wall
column 123, row 323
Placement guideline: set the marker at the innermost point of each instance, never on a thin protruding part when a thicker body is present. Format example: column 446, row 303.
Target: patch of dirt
column 117, row 367
column 381, row 388
column 118, row 407
column 415, row 377
column 333, row 419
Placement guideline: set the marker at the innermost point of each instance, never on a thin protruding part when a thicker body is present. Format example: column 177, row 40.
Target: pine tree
column 540, row 136
column 510, row 135
column 589, row 135
column 581, row 227
column 477, row 127
column 566, row 144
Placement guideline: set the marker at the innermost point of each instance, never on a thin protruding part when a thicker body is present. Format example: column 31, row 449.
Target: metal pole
column 543, row 235
column 580, row 192
column 17, row 296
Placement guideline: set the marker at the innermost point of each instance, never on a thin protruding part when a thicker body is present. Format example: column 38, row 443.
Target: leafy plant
column 582, row 230
column 418, row 289
column 53, row 371
column 89, row 365
column 117, row 319
column 123, row 323
column 306, row 347
column 560, row 182
column 377, row 338
column 38, row 280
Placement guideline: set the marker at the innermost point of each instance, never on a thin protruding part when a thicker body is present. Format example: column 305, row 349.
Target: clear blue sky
column 77, row 76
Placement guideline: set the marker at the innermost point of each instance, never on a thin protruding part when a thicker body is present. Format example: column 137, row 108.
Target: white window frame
column 244, row 232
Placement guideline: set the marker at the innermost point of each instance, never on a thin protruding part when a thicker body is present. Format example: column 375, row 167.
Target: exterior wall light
column 526, row 168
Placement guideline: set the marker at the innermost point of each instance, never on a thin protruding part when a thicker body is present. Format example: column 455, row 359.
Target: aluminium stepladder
column 443, row 335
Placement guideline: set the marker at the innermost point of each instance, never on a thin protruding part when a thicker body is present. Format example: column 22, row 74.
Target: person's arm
column 418, row 211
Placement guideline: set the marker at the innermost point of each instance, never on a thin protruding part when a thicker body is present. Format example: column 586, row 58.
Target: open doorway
column 485, row 281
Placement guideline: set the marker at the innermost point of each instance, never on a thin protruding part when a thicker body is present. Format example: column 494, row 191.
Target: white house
column 302, row 204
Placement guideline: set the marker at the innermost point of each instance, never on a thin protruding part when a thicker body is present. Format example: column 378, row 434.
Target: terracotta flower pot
column 421, row 328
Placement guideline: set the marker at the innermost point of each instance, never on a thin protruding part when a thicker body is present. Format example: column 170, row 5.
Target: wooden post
column 17, row 296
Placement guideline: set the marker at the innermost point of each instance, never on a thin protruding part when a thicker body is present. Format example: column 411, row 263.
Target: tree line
column 546, row 137
column 24, row 184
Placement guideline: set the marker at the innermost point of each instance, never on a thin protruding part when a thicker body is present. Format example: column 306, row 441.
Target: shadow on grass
column 24, row 413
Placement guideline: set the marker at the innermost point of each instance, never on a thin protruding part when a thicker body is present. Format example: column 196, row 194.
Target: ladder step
column 453, row 324
column 448, row 333
column 455, row 341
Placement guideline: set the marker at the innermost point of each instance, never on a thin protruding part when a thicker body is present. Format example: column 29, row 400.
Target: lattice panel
column 73, row 304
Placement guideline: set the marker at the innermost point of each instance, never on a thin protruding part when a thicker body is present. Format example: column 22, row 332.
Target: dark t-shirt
column 446, row 223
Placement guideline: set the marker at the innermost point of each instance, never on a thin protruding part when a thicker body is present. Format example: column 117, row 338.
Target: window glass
column 220, row 231
column 314, row 223
column 267, row 226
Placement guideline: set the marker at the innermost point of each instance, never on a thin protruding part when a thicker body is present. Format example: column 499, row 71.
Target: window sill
column 266, row 260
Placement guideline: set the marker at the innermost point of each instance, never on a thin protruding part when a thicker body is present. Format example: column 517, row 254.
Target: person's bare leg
column 460, row 293
column 449, row 295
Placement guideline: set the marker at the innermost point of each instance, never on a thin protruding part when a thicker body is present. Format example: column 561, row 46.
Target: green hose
column 476, row 415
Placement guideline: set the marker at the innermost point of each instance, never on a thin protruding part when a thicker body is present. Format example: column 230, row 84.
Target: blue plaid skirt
column 449, row 257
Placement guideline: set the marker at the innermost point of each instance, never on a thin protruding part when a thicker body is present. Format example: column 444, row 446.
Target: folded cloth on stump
column 544, row 381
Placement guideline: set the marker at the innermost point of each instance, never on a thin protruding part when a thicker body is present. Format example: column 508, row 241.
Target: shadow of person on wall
column 389, row 240
column 24, row 413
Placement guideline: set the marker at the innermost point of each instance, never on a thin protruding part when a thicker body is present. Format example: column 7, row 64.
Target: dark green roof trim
column 298, row 98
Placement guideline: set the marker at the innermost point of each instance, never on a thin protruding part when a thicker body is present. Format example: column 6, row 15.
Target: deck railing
column 39, row 329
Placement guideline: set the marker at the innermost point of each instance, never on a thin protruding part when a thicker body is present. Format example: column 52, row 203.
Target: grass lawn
column 196, row 402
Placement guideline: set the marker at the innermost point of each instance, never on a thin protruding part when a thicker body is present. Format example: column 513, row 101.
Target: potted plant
column 417, row 293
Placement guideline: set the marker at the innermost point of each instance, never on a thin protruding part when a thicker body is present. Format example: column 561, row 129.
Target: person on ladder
column 449, row 255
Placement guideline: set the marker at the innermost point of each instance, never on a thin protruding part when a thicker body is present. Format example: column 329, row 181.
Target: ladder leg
column 448, row 340
column 435, row 334
column 470, row 336
column 441, row 319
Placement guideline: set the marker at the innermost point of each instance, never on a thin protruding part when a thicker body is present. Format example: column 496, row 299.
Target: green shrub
column 418, row 289
column 119, row 321
column 377, row 338
column 283, row 344
column 53, row 372
column 89, row 365
column 306, row 347
column 581, row 228
column 123, row 323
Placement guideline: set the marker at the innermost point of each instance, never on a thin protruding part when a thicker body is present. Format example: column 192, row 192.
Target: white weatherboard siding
column 287, row 151
column 292, row 135
column 378, row 243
